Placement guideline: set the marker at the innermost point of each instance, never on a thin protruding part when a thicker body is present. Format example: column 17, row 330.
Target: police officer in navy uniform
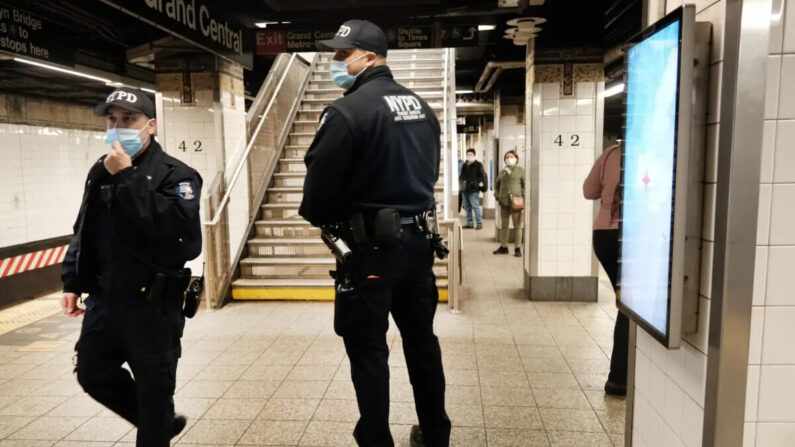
column 137, row 226
column 377, row 149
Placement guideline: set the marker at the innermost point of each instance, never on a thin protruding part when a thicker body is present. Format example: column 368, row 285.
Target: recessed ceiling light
column 486, row 27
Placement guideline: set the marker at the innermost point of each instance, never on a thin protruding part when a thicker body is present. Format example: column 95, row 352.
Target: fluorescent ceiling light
column 486, row 27
column 63, row 70
column 148, row 90
column 462, row 92
column 265, row 24
column 614, row 90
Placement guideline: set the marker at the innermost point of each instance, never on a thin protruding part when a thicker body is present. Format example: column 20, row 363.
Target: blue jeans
column 472, row 206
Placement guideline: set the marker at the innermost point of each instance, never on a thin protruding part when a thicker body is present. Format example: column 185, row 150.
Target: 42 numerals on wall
column 574, row 140
column 197, row 146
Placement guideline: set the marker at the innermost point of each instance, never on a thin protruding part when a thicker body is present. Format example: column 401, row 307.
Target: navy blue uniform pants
column 400, row 281
column 145, row 335
column 605, row 245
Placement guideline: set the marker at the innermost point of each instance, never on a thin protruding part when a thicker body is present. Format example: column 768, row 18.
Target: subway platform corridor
column 275, row 374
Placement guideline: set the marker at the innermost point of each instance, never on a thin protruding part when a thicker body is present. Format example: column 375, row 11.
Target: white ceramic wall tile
column 784, row 170
column 711, row 156
column 749, row 434
column 715, row 83
column 763, row 214
column 775, row 435
column 776, row 394
column 768, row 151
column 695, row 374
column 674, row 405
column 715, row 14
column 772, row 86
column 586, row 89
column 782, row 215
column 786, row 100
column 707, row 249
column 585, row 106
column 789, row 30
column 693, row 423
column 760, row 275
column 779, row 334
column 550, row 90
column 776, row 26
column 780, row 280
column 757, row 329
column 568, row 106
column 708, row 222
column 567, row 124
column 752, row 393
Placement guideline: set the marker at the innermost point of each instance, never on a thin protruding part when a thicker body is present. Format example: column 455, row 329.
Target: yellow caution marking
column 295, row 294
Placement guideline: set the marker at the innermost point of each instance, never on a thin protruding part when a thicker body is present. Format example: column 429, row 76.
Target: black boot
column 178, row 424
column 501, row 251
column 416, row 440
column 615, row 389
column 517, row 252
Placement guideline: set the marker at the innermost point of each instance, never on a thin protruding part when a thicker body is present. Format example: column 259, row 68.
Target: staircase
column 286, row 259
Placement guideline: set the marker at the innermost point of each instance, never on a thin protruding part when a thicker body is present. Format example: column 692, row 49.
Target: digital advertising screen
column 649, row 173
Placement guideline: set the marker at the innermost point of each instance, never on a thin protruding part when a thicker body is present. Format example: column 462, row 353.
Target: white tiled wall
column 670, row 386
column 512, row 133
column 770, row 406
column 42, row 173
column 567, row 154
column 210, row 137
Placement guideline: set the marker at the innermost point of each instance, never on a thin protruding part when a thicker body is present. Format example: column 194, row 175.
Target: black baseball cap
column 357, row 34
column 129, row 99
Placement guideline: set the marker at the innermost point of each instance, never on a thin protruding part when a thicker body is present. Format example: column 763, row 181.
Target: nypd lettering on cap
column 344, row 31
column 121, row 95
column 185, row 190
column 405, row 108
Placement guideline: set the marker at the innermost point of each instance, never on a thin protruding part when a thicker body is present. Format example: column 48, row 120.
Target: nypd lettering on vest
column 405, row 108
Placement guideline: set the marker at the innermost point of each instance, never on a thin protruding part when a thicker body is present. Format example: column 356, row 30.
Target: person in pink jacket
column 602, row 184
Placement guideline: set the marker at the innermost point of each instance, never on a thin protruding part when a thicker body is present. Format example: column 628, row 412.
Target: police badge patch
column 185, row 191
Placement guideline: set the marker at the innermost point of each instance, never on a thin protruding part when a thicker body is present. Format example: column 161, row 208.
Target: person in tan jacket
column 602, row 184
column 510, row 183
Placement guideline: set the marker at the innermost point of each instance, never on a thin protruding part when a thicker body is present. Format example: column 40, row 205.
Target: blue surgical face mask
column 129, row 139
column 339, row 73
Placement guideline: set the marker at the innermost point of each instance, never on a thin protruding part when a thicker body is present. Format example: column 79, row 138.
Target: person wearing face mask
column 137, row 225
column 510, row 184
column 371, row 172
column 473, row 181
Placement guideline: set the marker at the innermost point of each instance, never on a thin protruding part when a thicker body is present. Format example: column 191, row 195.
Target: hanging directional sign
column 25, row 34
column 398, row 38
column 458, row 36
column 205, row 23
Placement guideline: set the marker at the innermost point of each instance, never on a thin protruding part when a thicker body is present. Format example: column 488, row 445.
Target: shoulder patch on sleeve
column 323, row 119
column 185, row 190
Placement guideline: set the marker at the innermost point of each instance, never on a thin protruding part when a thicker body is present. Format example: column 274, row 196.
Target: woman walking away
column 473, row 181
column 509, row 192
column 602, row 184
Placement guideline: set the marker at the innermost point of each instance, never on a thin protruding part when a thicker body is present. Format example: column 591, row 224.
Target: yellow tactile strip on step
column 28, row 312
column 294, row 294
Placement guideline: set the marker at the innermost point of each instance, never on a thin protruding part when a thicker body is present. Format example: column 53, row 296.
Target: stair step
column 303, row 289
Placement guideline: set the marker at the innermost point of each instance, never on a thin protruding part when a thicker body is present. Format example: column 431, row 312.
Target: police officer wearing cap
column 137, row 226
column 371, row 171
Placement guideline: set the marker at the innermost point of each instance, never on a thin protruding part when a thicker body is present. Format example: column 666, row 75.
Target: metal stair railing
column 274, row 110
column 450, row 224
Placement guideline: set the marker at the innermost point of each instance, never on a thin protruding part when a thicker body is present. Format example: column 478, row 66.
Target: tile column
column 202, row 121
column 568, row 103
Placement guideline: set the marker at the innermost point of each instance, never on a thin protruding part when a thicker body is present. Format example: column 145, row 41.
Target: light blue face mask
column 129, row 139
column 339, row 73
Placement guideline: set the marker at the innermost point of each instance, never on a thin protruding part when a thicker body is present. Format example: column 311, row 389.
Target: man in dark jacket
column 137, row 226
column 473, row 181
column 374, row 161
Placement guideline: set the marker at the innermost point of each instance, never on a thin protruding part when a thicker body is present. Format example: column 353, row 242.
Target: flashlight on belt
column 335, row 243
